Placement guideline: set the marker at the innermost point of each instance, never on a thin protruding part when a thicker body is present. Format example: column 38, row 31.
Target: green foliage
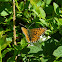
column 58, row 52
column 45, row 13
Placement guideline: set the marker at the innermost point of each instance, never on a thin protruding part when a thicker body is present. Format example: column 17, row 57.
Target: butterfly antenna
column 22, row 25
column 31, row 24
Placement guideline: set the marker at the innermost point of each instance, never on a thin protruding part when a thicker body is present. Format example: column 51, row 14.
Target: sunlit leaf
column 34, row 49
column 5, row 44
column 23, row 43
column 60, row 21
column 42, row 13
column 58, row 52
column 47, row 1
column 43, row 22
column 4, row 13
column 34, row 2
column 56, row 8
column 9, row 39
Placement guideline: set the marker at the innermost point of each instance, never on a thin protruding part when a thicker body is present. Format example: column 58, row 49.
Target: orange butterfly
column 33, row 35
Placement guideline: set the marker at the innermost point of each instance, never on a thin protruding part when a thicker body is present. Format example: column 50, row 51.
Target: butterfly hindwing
column 25, row 31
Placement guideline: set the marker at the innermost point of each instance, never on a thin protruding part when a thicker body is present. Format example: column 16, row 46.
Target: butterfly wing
column 36, row 33
column 25, row 31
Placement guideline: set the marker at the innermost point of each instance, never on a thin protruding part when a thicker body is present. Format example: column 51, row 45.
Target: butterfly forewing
column 36, row 33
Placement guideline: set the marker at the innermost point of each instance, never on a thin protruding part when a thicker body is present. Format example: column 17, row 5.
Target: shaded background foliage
column 45, row 13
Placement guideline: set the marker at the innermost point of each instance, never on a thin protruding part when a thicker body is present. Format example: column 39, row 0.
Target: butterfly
column 33, row 35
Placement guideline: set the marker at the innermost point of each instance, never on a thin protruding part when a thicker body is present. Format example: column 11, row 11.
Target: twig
column 14, row 31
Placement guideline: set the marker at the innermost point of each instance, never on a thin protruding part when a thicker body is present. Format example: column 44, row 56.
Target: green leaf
column 6, row 43
column 5, row 8
column 1, row 33
column 59, row 21
column 58, row 52
column 39, row 3
column 43, row 22
column 43, row 4
column 4, row 13
column 7, row 20
column 2, row 40
column 5, row 0
column 23, row 43
column 43, row 59
column 47, row 1
column 9, row 39
column 34, row 2
column 6, row 51
column 38, row 10
column 21, row 5
column 34, row 49
column 56, row 8
column 28, row 14
column 26, row 5
column 42, row 13
column 10, row 59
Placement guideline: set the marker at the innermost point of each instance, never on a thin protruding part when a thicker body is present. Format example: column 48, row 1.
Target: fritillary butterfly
column 33, row 35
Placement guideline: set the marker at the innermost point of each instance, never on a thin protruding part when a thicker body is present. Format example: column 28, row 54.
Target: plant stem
column 14, row 31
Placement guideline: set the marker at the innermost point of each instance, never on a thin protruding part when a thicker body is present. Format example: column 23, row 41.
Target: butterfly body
column 33, row 35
